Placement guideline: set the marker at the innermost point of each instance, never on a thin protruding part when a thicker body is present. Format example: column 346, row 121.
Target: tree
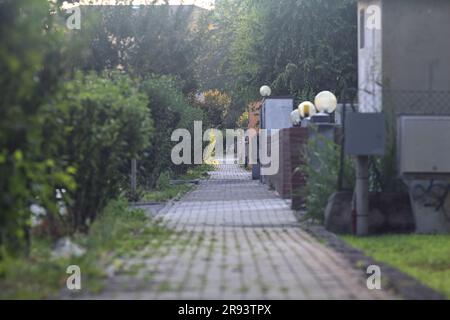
column 216, row 106
column 297, row 46
column 171, row 110
column 154, row 39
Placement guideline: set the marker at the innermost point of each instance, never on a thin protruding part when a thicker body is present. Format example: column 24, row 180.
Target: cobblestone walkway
column 241, row 241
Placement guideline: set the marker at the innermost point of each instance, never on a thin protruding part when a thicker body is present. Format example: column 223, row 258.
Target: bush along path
column 231, row 238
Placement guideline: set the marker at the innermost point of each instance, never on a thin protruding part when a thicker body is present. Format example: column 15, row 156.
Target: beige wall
column 416, row 52
column 370, row 55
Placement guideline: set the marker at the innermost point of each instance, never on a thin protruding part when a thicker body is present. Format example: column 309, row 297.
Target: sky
column 207, row 4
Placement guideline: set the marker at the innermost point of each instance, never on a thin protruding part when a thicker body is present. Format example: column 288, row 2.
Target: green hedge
column 170, row 110
column 101, row 123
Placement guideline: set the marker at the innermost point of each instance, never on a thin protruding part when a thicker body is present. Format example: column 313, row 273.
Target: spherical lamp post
column 321, row 127
column 326, row 104
column 295, row 118
column 307, row 109
column 265, row 91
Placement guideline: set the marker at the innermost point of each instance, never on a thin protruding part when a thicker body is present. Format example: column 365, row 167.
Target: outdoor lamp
column 295, row 118
column 306, row 109
column 325, row 102
column 265, row 91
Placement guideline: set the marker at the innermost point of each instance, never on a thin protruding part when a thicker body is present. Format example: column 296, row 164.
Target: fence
column 417, row 102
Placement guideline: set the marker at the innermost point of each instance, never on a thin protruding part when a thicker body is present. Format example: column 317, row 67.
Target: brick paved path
column 240, row 242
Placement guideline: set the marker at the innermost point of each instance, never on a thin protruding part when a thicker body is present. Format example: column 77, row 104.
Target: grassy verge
column 168, row 193
column 198, row 172
column 425, row 257
column 118, row 232
column 165, row 191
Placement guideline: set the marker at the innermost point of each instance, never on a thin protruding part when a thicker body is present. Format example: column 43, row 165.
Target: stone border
column 404, row 285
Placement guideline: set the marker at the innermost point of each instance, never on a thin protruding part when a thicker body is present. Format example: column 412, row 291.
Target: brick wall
column 287, row 182
column 290, row 183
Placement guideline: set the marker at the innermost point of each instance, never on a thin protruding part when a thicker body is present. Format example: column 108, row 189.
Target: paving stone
column 252, row 248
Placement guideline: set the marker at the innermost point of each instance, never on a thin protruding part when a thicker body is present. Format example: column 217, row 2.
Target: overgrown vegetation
column 322, row 165
column 425, row 257
column 170, row 110
column 383, row 175
column 165, row 191
column 76, row 107
column 215, row 105
column 119, row 232
column 30, row 65
column 168, row 193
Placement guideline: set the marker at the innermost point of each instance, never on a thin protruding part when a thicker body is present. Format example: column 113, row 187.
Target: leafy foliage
column 243, row 120
column 216, row 105
column 170, row 110
column 144, row 40
column 102, row 123
column 383, row 174
column 322, row 169
column 64, row 127
column 166, row 191
column 30, row 69
column 119, row 231
column 299, row 47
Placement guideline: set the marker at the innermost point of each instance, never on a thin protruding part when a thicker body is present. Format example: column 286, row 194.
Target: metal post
column 362, row 196
column 342, row 153
column 133, row 177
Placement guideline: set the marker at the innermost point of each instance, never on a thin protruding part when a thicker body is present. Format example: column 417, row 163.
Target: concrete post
column 362, row 196
column 134, row 177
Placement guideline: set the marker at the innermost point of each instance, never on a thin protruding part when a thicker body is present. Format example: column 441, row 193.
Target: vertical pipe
column 362, row 196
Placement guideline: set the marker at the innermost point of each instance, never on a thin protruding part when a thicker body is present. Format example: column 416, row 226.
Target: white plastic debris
column 65, row 248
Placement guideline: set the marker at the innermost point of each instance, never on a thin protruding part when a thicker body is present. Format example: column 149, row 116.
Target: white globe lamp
column 325, row 102
column 307, row 109
column 295, row 118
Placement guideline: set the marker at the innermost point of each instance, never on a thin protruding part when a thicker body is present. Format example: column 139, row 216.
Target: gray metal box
column 338, row 115
column 365, row 134
column 424, row 146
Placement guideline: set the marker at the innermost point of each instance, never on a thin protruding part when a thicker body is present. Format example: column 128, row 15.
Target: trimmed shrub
column 101, row 124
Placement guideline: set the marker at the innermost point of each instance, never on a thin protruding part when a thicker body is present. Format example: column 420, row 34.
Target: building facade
column 404, row 55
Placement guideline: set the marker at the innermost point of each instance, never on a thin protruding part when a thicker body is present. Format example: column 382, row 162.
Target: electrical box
column 365, row 134
column 424, row 146
column 276, row 113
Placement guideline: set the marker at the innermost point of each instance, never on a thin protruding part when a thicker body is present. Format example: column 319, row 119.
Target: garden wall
column 287, row 182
